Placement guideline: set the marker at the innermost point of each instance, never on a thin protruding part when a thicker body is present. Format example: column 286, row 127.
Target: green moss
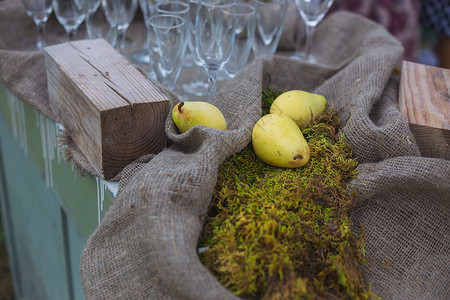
column 278, row 233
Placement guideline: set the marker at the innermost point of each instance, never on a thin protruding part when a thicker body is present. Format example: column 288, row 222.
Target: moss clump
column 277, row 233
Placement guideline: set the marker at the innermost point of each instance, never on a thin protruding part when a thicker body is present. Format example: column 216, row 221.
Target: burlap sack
column 145, row 248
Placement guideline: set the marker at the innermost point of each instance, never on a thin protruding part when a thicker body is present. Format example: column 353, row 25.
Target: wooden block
column 111, row 110
column 424, row 99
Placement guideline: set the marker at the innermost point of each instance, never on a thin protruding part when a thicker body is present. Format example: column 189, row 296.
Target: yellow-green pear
column 191, row 113
column 279, row 142
column 300, row 106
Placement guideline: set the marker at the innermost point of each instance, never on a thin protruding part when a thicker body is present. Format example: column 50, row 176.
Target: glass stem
column 309, row 40
column 121, row 39
column 90, row 27
column 298, row 44
column 212, row 76
column 40, row 30
column 146, row 42
column 72, row 34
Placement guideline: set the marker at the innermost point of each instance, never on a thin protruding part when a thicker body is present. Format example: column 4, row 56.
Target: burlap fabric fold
column 145, row 248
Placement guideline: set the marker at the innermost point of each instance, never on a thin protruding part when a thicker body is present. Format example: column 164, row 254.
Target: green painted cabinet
column 48, row 209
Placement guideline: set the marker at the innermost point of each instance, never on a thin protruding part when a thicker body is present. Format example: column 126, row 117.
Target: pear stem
column 180, row 106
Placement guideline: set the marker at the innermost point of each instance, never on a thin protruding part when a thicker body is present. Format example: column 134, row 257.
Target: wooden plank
column 424, row 99
column 110, row 109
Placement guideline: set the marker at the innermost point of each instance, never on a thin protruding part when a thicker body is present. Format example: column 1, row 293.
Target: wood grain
column 424, row 99
column 110, row 109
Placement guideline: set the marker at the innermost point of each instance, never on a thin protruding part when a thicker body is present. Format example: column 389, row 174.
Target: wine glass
column 244, row 37
column 98, row 24
column 127, row 11
column 120, row 13
column 176, row 8
column 92, row 7
column 198, row 83
column 39, row 10
column 183, row 10
column 312, row 12
column 215, row 33
column 167, row 46
column 111, row 12
column 70, row 14
column 270, row 16
column 141, row 56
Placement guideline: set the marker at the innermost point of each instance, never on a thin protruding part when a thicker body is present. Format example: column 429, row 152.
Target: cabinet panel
column 48, row 209
column 35, row 222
